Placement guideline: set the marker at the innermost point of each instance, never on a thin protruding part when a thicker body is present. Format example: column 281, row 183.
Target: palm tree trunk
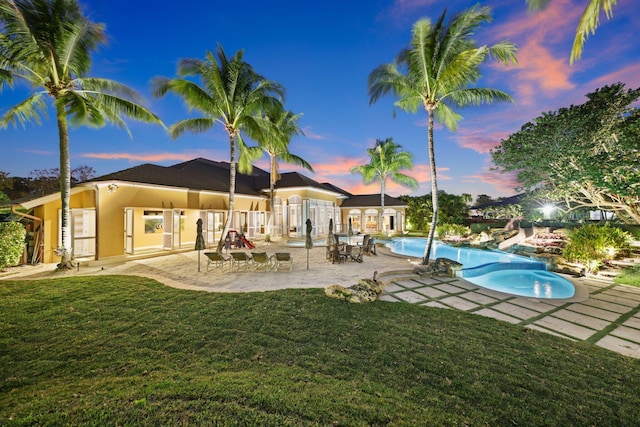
column 434, row 188
column 382, row 189
column 232, row 189
column 65, row 190
column 273, row 174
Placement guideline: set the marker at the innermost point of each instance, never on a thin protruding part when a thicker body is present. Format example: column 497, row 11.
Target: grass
column 121, row 350
column 629, row 276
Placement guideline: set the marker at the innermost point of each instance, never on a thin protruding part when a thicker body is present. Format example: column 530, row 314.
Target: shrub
column 12, row 236
column 451, row 230
column 591, row 244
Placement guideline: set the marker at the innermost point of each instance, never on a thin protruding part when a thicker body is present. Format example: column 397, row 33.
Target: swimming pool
column 496, row 270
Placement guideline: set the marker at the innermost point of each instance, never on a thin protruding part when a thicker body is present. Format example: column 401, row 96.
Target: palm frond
column 292, row 159
column 405, row 180
column 31, row 110
column 193, row 125
column 589, row 23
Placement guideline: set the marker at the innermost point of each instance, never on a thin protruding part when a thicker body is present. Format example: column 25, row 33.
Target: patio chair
column 335, row 255
column 357, row 254
column 369, row 246
column 282, row 259
column 365, row 241
column 346, row 254
column 260, row 260
column 240, row 259
column 217, row 260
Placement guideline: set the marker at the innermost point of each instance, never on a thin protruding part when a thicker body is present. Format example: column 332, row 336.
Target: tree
column 483, row 199
column 232, row 94
column 48, row 44
column 46, row 181
column 437, row 72
column 6, row 182
column 385, row 162
column 453, row 209
column 585, row 156
column 278, row 127
column 589, row 21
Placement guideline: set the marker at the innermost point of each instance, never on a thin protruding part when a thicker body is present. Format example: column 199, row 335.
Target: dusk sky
column 322, row 53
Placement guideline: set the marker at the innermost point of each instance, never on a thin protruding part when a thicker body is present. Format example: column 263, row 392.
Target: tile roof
column 209, row 175
column 367, row 200
column 197, row 174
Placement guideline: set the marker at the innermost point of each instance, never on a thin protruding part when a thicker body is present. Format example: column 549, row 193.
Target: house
column 151, row 209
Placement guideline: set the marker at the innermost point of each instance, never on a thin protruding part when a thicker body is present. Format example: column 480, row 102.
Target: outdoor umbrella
column 308, row 243
column 350, row 228
column 330, row 236
column 199, row 240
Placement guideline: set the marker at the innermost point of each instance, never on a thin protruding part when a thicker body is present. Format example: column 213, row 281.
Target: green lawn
column 118, row 350
column 629, row 276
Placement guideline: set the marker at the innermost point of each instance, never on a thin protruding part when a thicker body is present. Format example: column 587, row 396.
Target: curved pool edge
column 581, row 294
column 581, row 290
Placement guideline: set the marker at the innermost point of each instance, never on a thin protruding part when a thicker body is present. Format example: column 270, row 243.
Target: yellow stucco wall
column 110, row 213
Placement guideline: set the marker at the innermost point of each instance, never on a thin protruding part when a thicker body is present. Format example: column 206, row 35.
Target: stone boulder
column 366, row 290
column 440, row 267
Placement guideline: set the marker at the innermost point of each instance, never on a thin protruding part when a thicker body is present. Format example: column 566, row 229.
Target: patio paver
column 565, row 327
column 619, row 345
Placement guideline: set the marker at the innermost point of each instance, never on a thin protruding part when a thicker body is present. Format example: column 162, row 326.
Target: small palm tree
column 278, row 127
column 232, row 94
column 589, row 21
column 384, row 163
column 437, row 72
column 48, row 44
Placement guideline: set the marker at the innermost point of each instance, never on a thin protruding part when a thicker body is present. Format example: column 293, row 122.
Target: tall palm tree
column 232, row 94
column 436, row 72
column 589, row 21
column 48, row 44
column 385, row 162
column 279, row 126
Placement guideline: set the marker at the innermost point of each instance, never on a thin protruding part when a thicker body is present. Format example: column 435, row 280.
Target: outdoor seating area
column 251, row 261
column 340, row 252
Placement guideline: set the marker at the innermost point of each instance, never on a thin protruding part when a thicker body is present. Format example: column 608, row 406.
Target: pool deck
column 608, row 315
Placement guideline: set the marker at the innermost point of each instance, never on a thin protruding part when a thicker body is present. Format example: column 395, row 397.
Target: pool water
column 496, row 270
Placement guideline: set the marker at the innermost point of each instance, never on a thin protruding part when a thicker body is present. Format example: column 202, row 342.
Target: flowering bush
column 451, row 231
column 11, row 243
column 591, row 244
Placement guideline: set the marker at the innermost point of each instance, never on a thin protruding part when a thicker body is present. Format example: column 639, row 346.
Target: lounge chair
column 240, row 259
column 281, row 259
column 260, row 260
column 217, row 260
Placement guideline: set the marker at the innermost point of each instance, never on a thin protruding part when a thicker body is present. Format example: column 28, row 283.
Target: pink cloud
column 152, row 157
column 630, row 75
column 479, row 140
column 540, row 67
column 312, row 135
column 504, row 183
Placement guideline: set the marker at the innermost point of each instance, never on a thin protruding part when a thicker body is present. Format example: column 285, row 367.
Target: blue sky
column 322, row 52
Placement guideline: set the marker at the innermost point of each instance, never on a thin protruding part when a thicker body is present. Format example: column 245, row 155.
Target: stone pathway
column 609, row 317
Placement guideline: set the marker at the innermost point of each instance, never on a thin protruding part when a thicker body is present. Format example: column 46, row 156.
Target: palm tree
column 436, row 72
column 48, row 44
column 589, row 21
column 384, row 163
column 232, row 94
column 279, row 126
